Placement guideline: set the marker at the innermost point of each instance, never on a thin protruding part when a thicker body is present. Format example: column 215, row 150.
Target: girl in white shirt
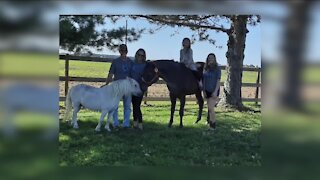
column 186, row 57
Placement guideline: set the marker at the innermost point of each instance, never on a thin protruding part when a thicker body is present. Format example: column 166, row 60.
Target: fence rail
column 68, row 78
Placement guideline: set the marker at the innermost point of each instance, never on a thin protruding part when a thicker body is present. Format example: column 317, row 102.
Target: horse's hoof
column 196, row 122
column 169, row 125
column 181, row 126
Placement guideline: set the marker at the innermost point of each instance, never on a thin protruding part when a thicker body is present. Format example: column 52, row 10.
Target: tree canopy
column 78, row 33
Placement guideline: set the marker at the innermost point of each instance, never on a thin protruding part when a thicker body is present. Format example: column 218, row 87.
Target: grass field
column 236, row 141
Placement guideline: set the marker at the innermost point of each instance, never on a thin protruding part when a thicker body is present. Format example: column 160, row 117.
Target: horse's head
column 200, row 66
column 134, row 87
column 150, row 74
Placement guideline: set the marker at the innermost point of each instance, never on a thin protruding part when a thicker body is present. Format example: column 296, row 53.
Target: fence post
column 66, row 73
column 257, row 89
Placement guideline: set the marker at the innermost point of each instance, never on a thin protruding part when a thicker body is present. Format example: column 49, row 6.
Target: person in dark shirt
column 121, row 69
column 211, row 85
column 136, row 73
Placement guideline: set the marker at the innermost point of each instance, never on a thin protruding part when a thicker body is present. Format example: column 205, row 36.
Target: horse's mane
column 175, row 63
column 171, row 63
column 165, row 61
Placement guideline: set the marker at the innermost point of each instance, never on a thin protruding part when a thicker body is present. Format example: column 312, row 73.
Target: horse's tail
column 68, row 106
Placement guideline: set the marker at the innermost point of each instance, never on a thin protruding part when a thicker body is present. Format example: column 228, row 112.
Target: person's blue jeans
column 126, row 112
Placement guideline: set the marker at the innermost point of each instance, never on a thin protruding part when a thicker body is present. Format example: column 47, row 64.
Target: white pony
column 105, row 99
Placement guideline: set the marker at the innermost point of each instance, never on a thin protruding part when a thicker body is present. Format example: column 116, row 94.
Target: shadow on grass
column 233, row 143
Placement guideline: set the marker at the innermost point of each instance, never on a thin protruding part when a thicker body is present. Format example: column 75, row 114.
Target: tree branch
column 186, row 24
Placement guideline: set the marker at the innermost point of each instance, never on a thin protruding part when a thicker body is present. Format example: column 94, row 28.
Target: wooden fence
column 67, row 58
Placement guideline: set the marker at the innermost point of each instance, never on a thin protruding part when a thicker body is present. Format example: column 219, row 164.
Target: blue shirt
column 210, row 79
column 137, row 70
column 121, row 68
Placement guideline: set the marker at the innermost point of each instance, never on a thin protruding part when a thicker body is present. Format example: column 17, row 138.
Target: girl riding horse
column 186, row 57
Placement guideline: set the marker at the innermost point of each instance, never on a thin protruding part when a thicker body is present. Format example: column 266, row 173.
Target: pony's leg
column 107, row 126
column 74, row 122
column 181, row 112
column 200, row 103
column 173, row 100
column 103, row 114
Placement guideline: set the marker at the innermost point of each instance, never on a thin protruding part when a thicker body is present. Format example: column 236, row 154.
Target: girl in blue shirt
column 136, row 73
column 211, row 86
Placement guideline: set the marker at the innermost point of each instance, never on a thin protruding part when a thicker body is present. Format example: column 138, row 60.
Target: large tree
column 78, row 33
column 237, row 30
column 294, row 42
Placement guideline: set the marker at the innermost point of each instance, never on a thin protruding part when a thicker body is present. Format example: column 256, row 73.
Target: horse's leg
column 181, row 112
column 200, row 102
column 107, row 126
column 103, row 114
column 76, row 109
column 173, row 100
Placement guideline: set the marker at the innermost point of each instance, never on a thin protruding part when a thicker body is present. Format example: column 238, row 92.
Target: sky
column 162, row 45
column 262, row 40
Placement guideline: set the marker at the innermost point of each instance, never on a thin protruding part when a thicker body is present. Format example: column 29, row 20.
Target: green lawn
column 311, row 74
column 236, row 141
column 18, row 63
column 85, row 69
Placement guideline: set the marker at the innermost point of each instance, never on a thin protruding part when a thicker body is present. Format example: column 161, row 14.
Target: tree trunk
column 293, row 46
column 231, row 96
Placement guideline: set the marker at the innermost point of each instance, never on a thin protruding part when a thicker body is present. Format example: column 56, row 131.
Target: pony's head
column 150, row 75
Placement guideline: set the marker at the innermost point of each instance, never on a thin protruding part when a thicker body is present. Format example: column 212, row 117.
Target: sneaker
column 135, row 124
column 212, row 125
column 115, row 128
column 126, row 127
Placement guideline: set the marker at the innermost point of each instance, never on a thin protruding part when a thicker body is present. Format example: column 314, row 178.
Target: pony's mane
column 120, row 87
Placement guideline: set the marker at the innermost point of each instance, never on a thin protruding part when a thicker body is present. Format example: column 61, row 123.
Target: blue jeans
column 126, row 112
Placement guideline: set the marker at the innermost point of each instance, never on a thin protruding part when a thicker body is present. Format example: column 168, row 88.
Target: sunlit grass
column 236, row 141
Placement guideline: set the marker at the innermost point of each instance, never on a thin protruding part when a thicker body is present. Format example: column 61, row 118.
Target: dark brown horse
column 181, row 81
